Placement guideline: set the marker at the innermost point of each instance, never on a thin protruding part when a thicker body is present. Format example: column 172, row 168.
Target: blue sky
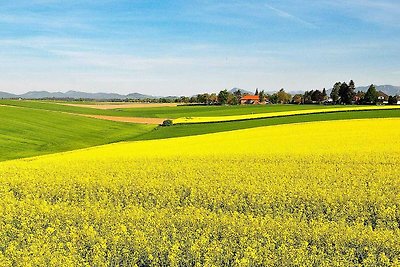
column 186, row 47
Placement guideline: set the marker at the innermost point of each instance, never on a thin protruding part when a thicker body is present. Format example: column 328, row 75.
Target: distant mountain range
column 75, row 95
column 387, row 89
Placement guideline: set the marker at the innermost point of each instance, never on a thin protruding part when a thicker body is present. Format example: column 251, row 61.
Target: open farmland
column 322, row 193
column 29, row 132
column 310, row 110
column 164, row 112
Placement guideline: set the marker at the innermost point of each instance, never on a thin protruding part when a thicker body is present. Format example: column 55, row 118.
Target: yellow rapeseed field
column 187, row 120
column 312, row 194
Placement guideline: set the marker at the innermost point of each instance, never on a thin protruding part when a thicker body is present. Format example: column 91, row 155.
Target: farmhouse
column 382, row 97
column 250, row 99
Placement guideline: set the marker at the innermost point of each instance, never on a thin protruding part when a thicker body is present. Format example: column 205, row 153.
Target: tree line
column 225, row 97
column 341, row 93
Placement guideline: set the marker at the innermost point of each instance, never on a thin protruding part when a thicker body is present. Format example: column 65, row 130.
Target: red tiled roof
column 250, row 97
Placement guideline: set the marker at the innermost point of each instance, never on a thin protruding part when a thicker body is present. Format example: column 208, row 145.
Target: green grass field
column 165, row 112
column 27, row 132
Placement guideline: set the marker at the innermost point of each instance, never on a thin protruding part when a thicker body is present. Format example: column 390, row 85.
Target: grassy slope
column 26, row 132
column 165, row 112
column 196, row 129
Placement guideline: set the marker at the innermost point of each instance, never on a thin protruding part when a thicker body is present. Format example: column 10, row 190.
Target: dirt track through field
column 122, row 105
column 125, row 119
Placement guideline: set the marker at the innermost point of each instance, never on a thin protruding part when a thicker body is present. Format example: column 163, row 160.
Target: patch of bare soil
column 126, row 119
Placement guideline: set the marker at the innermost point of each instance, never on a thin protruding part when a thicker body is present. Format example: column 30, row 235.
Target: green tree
column 201, row 98
column 233, row 99
column 346, row 93
column 371, row 96
column 297, row 99
column 273, row 98
column 324, row 95
column 223, row 97
column 213, row 98
column 352, row 87
column 351, row 91
column 335, row 92
column 392, row 100
column 184, row 99
column 238, row 96
column 283, row 97
column 238, row 93
column 262, row 96
column 307, row 97
column 256, row 93
column 317, row 96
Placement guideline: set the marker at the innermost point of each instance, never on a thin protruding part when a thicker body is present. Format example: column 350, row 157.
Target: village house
column 250, row 100
column 382, row 97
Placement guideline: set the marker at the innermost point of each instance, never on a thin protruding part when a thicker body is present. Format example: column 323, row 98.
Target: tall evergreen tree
column 335, row 92
column 352, row 85
column 345, row 93
column 324, row 95
column 223, row 97
column 261, row 94
column 371, row 96
column 352, row 90
column 256, row 93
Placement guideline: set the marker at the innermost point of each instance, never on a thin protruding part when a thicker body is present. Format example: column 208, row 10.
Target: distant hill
column 140, row 96
column 7, row 95
column 41, row 94
column 233, row 90
column 243, row 91
column 75, row 95
column 387, row 89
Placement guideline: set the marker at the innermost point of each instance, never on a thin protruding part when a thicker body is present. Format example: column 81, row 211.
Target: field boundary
column 140, row 120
